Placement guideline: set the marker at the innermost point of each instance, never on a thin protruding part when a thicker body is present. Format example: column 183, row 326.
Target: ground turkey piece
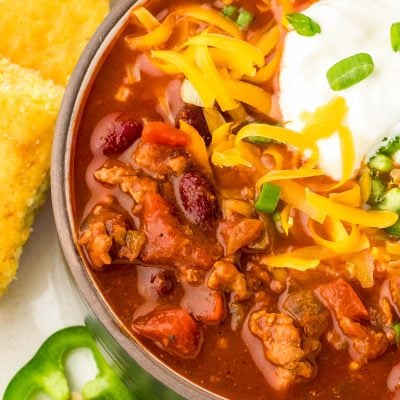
column 173, row 330
column 236, row 232
column 347, row 309
column 108, row 232
column 160, row 160
column 226, row 277
column 117, row 173
column 168, row 241
column 284, row 346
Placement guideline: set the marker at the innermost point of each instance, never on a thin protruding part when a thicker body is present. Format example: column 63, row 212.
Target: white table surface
column 39, row 302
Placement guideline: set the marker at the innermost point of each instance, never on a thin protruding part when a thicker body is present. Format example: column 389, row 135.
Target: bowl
column 142, row 372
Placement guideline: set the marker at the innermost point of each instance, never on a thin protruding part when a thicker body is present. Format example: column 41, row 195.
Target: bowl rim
column 68, row 118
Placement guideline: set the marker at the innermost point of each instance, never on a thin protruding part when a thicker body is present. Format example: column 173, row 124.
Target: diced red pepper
column 173, row 330
column 164, row 134
column 341, row 298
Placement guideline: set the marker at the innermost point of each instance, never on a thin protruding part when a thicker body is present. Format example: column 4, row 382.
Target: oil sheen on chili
column 177, row 243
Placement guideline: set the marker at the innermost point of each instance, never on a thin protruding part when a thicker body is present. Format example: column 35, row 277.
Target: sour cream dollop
column 348, row 27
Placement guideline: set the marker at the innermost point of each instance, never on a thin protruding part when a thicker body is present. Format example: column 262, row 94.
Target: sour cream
column 348, row 27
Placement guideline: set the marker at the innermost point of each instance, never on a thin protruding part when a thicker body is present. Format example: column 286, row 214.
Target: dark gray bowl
column 135, row 364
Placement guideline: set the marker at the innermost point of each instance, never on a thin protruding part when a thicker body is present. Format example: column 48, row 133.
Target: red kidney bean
column 121, row 133
column 198, row 199
column 163, row 283
column 193, row 115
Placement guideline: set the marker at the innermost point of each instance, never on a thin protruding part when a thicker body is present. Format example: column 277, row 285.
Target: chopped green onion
column 395, row 36
column 391, row 147
column 391, row 201
column 378, row 189
column 381, row 163
column 230, row 11
column 244, row 19
column 350, row 71
column 396, row 329
column 394, row 231
column 303, row 25
column 268, row 199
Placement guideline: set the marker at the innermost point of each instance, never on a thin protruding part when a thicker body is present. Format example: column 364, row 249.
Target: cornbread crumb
column 29, row 106
column 48, row 35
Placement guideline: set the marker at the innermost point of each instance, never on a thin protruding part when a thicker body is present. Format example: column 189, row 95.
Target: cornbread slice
column 48, row 35
column 29, row 106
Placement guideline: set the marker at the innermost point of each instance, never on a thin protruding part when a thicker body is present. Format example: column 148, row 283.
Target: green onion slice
column 230, row 11
column 381, row 163
column 303, row 25
column 244, row 19
column 395, row 36
column 350, row 71
column 268, row 199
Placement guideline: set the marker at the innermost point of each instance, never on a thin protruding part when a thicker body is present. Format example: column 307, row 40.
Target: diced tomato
column 164, row 134
column 218, row 311
column 341, row 298
column 174, row 330
column 167, row 240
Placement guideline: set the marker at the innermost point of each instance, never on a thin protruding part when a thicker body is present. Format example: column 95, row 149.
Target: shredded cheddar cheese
column 145, row 18
column 295, row 194
column 237, row 46
column 285, row 219
column 336, row 237
column 223, row 95
column 343, row 212
column 154, row 38
column 351, row 195
column 211, row 17
column 289, row 174
column 192, row 73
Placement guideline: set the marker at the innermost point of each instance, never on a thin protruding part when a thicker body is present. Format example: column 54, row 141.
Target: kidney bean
column 121, row 134
column 198, row 199
column 174, row 330
column 163, row 283
column 193, row 115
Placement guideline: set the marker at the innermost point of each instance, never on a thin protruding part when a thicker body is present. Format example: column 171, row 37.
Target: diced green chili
column 268, row 198
column 244, row 19
column 46, row 372
column 381, row 163
column 230, row 11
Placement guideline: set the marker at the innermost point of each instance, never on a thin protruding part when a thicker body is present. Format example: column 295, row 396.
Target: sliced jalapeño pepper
column 45, row 372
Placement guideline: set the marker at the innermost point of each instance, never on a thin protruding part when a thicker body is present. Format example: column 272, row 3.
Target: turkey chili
column 208, row 227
